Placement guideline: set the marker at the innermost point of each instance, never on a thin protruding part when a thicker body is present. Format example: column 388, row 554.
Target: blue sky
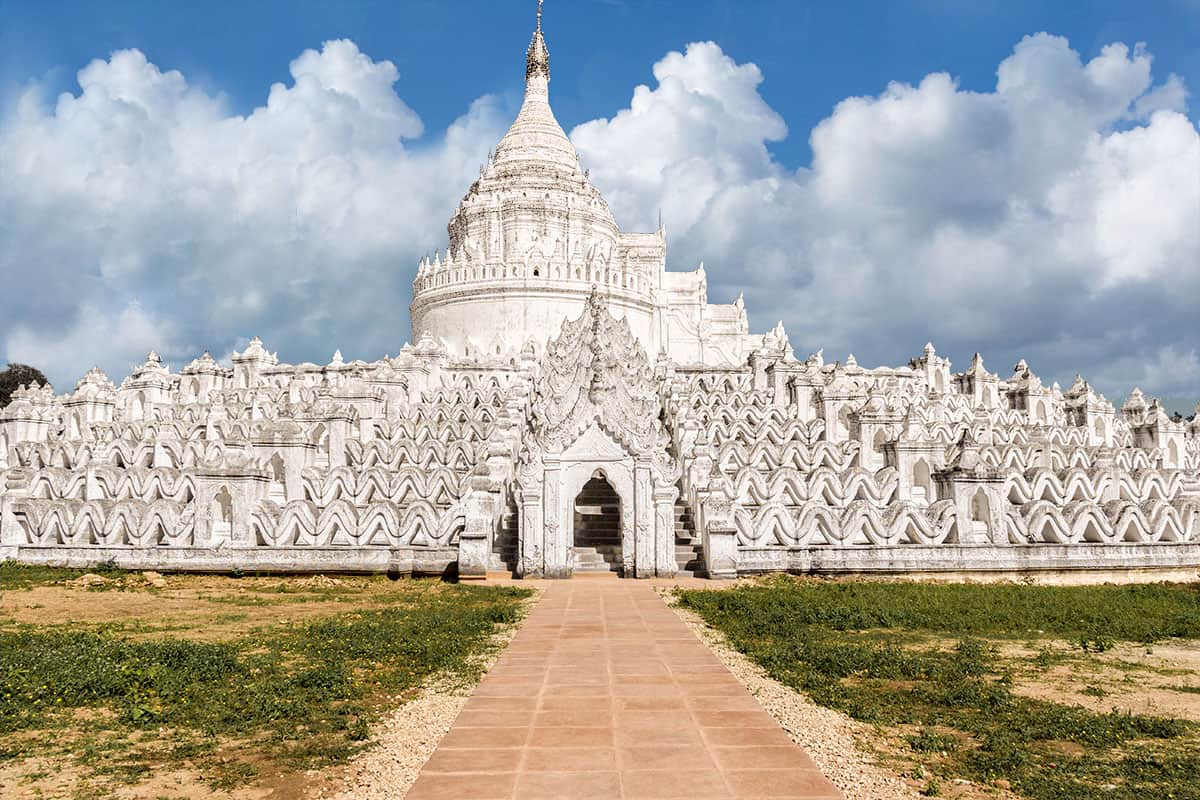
column 1025, row 210
column 449, row 52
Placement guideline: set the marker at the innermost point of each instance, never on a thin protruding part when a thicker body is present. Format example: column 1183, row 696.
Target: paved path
column 605, row 693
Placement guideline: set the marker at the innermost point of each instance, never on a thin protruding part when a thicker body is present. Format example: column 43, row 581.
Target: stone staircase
column 504, row 547
column 597, row 529
column 689, row 552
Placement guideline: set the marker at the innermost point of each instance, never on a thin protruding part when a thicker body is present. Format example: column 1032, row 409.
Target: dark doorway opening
column 597, row 544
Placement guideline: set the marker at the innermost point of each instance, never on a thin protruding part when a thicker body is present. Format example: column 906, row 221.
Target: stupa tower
column 530, row 239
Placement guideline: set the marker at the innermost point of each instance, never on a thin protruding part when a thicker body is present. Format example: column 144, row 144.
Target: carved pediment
column 594, row 445
column 596, row 374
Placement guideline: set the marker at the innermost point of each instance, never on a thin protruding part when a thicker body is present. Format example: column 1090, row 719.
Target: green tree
column 18, row 375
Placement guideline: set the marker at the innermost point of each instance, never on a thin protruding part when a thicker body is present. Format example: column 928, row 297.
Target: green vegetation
column 1143, row 613
column 282, row 697
column 24, row 576
column 16, row 376
column 914, row 658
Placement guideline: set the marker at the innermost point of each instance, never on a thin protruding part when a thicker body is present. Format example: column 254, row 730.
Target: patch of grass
column 1105, row 614
column 1047, row 658
column 850, row 646
column 927, row 741
column 232, row 775
column 300, row 695
column 14, row 575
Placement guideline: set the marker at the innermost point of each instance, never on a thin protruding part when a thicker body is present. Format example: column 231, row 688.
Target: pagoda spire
column 537, row 60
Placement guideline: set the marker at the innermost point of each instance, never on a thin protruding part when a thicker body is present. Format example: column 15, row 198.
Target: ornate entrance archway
column 595, row 408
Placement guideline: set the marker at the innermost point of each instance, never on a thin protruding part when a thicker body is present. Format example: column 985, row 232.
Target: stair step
column 612, row 552
column 689, row 551
column 591, row 559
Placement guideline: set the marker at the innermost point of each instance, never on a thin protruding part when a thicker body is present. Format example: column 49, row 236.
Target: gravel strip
column 403, row 742
column 405, row 739
column 830, row 738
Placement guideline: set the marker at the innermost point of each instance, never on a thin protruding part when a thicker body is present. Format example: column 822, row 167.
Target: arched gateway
column 595, row 410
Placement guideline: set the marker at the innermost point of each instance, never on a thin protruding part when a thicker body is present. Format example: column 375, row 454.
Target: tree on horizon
column 15, row 376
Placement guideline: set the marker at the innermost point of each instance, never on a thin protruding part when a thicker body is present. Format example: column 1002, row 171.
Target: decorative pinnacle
column 537, row 61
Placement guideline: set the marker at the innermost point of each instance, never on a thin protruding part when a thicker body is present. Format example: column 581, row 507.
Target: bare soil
column 196, row 607
column 1136, row 679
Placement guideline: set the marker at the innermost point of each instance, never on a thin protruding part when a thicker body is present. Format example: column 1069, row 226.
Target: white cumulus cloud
column 142, row 213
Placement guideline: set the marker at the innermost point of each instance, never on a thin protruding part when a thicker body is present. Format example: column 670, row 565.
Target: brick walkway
column 605, row 693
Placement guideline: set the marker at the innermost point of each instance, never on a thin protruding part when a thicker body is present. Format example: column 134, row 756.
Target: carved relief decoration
column 596, row 372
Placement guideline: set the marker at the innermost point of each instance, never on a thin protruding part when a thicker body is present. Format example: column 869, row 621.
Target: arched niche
column 221, row 513
column 922, row 483
column 277, row 492
column 980, row 512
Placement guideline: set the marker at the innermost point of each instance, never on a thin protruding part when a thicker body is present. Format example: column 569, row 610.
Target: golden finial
column 537, row 61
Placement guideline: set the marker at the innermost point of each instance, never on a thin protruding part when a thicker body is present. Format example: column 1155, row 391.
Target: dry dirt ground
column 1161, row 680
column 865, row 762
column 200, row 607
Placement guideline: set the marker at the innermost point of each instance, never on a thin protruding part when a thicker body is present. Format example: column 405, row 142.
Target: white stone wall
column 506, row 318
